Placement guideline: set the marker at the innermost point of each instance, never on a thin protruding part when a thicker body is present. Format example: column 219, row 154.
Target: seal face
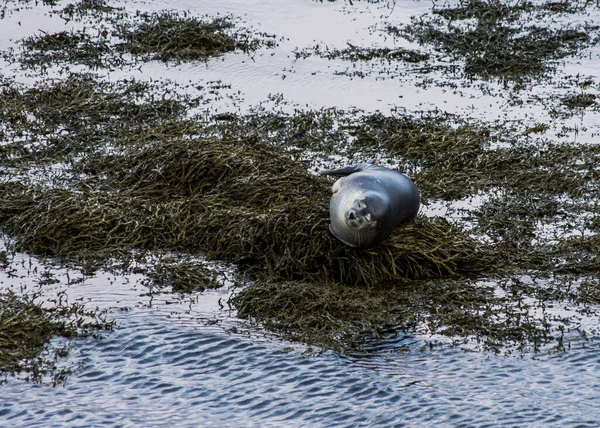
column 369, row 202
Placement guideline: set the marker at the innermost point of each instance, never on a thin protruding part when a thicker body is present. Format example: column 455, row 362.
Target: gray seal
column 369, row 202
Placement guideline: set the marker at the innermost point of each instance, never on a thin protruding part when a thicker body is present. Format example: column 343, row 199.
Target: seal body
column 369, row 202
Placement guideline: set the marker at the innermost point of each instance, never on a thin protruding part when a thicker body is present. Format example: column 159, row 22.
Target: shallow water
column 187, row 361
column 165, row 364
column 183, row 361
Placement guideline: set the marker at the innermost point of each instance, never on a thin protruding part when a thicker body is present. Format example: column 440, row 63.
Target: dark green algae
column 170, row 36
column 515, row 41
column 357, row 53
column 506, row 39
column 114, row 38
column 140, row 175
column 26, row 327
column 234, row 188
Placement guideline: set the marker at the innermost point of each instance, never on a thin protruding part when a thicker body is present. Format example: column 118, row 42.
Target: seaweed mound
column 171, row 36
column 168, row 36
column 239, row 201
column 138, row 175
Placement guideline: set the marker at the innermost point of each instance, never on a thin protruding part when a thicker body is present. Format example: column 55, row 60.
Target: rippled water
column 186, row 361
column 158, row 369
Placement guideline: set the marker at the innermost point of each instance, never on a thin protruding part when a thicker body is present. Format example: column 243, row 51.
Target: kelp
column 505, row 40
column 74, row 47
column 451, row 162
column 579, row 101
column 343, row 317
column 358, row 53
column 237, row 201
column 59, row 119
column 112, row 37
column 26, row 327
column 178, row 274
column 9, row 6
column 138, row 173
column 171, row 36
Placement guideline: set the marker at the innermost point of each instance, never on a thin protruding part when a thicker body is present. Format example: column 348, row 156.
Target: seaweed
column 182, row 275
column 342, row 317
column 579, row 101
column 119, row 39
column 62, row 118
column 237, row 201
column 503, row 42
column 82, row 8
column 26, row 328
column 73, row 47
column 171, row 36
column 450, row 158
column 356, row 53
column 139, row 173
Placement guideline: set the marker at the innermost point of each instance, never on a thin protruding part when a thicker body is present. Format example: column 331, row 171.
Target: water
column 181, row 361
column 163, row 366
column 188, row 361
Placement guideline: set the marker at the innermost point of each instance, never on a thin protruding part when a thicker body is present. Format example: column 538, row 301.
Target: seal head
column 369, row 202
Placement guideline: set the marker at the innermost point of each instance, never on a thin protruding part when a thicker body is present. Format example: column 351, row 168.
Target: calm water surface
column 185, row 361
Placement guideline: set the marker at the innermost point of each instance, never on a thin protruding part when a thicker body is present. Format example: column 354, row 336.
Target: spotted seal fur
column 368, row 202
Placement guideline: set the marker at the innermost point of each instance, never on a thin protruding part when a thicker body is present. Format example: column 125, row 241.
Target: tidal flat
column 171, row 155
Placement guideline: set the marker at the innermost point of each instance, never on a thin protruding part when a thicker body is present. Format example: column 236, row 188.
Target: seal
column 369, row 202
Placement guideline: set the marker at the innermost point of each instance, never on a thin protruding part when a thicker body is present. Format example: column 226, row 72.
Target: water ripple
column 154, row 374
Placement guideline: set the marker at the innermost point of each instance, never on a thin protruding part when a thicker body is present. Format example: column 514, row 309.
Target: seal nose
column 350, row 215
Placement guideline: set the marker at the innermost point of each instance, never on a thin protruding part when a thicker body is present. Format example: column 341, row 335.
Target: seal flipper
column 347, row 170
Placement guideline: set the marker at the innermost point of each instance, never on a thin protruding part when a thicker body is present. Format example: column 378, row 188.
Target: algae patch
column 580, row 101
column 501, row 39
column 74, row 47
column 138, row 174
column 168, row 36
column 275, row 222
column 26, row 327
column 356, row 53
column 113, row 37
column 183, row 276
column 342, row 317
